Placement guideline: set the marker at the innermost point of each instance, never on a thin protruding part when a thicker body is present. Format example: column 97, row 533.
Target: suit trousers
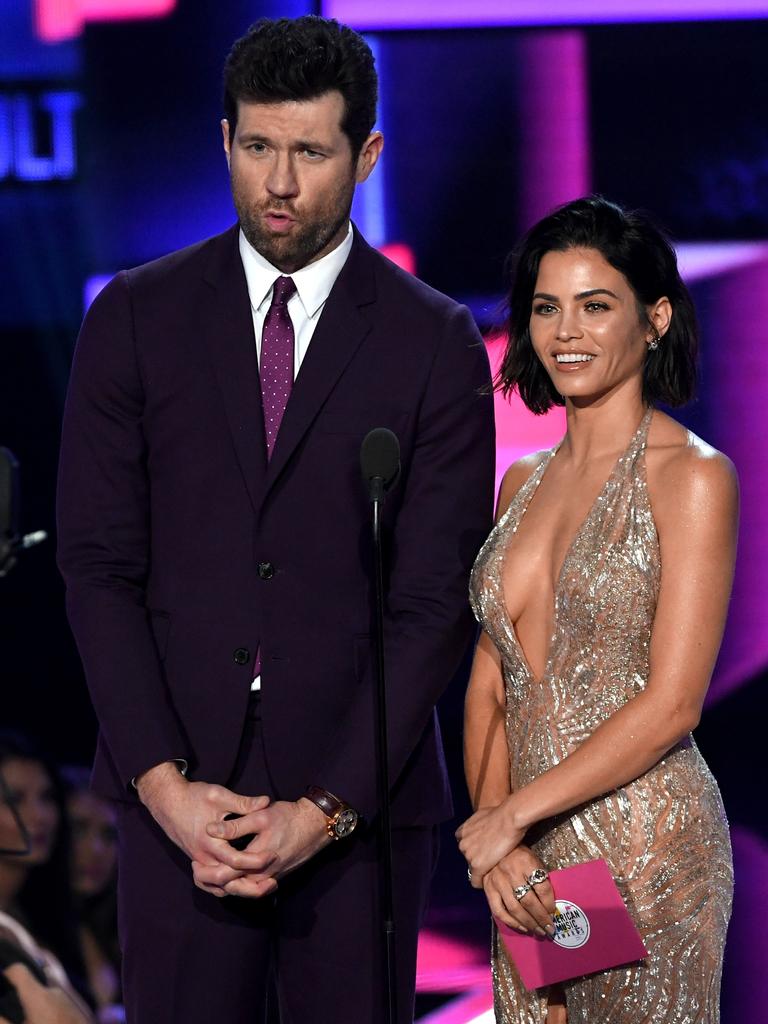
column 193, row 958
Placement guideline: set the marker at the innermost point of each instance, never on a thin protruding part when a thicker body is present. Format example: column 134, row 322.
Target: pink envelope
column 593, row 930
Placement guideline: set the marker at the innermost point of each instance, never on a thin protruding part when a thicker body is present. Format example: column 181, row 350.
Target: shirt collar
column 313, row 282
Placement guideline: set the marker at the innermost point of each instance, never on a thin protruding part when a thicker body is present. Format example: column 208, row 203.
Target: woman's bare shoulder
column 515, row 477
column 685, row 473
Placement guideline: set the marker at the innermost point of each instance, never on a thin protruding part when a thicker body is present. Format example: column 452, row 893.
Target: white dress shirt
column 313, row 286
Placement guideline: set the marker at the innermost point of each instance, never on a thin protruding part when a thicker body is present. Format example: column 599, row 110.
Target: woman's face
column 586, row 326
column 31, row 793
column 94, row 843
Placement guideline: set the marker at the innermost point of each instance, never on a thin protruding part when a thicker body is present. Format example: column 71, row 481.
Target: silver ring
column 521, row 890
column 469, row 874
column 538, row 876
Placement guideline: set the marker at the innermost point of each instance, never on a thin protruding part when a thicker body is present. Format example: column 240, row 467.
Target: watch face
column 345, row 823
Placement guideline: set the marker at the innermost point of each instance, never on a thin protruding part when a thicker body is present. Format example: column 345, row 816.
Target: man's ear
column 225, row 137
column 369, row 156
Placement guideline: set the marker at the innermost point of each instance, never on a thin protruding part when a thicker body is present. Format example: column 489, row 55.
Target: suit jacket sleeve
column 444, row 517
column 103, row 550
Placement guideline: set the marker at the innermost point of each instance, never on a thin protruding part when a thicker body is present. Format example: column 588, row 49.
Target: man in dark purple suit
column 214, row 538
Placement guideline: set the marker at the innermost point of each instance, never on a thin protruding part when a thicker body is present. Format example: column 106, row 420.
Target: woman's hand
column 534, row 912
column 487, row 837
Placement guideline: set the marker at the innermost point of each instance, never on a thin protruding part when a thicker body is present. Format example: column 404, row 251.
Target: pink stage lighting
column 57, row 20
column 518, row 431
column 400, row 254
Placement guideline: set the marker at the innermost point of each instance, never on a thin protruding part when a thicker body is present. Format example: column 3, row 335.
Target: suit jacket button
column 266, row 570
column 241, row 655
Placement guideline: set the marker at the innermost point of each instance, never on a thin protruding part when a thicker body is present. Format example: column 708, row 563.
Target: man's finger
column 212, row 890
column 245, row 860
column 234, row 828
column 246, row 804
column 216, row 875
column 251, row 887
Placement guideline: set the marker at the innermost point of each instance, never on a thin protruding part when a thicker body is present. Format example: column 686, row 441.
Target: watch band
column 329, row 804
column 342, row 819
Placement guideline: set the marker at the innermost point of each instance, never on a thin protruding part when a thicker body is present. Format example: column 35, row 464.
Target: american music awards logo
column 571, row 925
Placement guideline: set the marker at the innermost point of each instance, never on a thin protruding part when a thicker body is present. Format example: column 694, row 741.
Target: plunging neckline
column 540, row 473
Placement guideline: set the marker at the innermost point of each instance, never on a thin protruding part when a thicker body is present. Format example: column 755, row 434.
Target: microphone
column 380, row 461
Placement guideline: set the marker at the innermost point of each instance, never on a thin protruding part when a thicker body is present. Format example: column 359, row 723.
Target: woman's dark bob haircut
column 632, row 244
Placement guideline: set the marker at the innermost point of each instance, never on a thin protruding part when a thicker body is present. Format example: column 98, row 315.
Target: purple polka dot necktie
column 276, row 366
column 276, row 371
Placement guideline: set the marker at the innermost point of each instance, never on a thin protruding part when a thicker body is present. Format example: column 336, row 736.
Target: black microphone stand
column 385, row 837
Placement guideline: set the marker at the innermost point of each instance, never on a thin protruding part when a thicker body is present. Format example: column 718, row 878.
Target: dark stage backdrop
column 110, row 156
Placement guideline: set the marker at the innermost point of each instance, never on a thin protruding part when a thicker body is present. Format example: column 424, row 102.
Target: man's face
column 293, row 176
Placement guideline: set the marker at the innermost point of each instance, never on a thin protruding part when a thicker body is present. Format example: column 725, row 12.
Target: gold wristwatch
column 342, row 819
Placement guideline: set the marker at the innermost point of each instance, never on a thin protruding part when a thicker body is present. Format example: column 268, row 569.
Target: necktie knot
column 283, row 289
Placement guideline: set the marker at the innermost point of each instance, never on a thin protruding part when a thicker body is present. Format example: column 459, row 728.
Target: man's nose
column 282, row 181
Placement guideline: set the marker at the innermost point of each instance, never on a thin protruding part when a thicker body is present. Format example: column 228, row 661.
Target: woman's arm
column 486, row 758
column 696, row 509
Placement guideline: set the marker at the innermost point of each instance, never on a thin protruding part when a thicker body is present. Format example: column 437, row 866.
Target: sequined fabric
column 664, row 835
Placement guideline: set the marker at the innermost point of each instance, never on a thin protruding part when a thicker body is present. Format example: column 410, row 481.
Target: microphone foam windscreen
column 380, row 455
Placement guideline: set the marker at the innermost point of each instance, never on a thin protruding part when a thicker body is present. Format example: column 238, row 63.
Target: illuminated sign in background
column 404, row 14
column 20, row 116
column 56, row 20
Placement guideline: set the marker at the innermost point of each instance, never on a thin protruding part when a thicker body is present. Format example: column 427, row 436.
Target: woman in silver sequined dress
column 602, row 592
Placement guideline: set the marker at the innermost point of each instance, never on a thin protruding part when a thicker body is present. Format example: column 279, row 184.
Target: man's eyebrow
column 311, row 144
column 254, row 136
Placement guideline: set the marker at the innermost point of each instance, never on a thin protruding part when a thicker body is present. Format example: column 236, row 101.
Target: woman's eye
column 544, row 307
column 596, row 307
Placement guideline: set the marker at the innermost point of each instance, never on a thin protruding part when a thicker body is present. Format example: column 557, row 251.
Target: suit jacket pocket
column 160, row 623
column 358, row 423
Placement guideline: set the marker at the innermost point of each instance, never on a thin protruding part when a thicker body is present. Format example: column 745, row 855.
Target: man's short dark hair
column 638, row 249
column 302, row 59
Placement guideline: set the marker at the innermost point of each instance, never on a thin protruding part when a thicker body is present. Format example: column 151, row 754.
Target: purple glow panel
column 746, row 952
column 734, row 336
column 556, row 165
column 395, row 14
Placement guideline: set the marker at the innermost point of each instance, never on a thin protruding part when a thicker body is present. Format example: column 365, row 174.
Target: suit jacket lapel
column 342, row 327
column 228, row 332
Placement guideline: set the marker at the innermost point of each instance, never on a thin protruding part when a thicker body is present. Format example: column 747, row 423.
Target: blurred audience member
column 93, row 866
column 36, row 915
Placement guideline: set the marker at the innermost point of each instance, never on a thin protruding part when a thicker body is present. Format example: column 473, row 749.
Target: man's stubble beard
column 310, row 237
